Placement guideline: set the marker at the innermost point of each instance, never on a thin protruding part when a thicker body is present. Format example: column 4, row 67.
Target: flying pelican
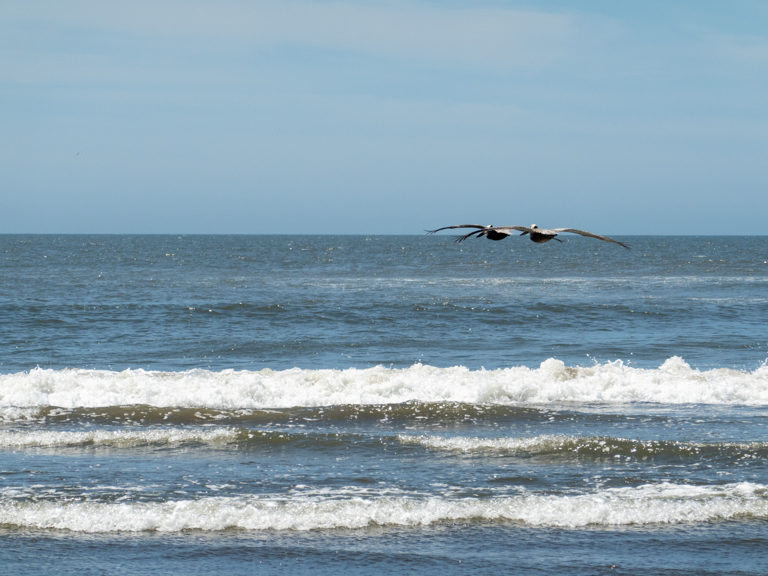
column 538, row 235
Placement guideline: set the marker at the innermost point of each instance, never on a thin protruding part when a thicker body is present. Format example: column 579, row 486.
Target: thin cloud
column 428, row 33
column 745, row 50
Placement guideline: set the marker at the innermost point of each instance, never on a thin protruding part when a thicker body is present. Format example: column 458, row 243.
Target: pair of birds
column 536, row 234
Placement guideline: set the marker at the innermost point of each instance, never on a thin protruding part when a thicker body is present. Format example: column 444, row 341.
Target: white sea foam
column 122, row 438
column 674, row 382
column 572, row 445
column 542, row 443
column 16, row 413
column 650, row 504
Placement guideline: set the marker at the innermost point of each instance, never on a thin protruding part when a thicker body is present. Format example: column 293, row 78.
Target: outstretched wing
column 457, row 226
column 480, row 229
column 487, row 229
column 477, row 233
column 589, row 234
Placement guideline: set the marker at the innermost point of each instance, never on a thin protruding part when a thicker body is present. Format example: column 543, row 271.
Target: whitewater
column 674, row 382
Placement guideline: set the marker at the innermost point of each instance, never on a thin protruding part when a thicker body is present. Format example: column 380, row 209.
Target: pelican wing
column 457, row 226
column 477, row 233
column 486, row 229
column 589, row 234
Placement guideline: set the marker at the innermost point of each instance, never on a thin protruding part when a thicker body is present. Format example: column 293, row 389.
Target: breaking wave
column 11, row 439
column 251, row 439
column 674, row 382
column 595, row 447
column 650, row 504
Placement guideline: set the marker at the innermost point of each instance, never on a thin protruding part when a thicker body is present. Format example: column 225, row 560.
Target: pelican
column 536, row 234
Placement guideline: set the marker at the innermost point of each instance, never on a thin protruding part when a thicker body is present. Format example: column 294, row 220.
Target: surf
column 552, row 382
column 610, row 508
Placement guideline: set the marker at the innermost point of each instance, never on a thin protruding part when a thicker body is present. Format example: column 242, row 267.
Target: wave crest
column 674, row 382
column 650, row 504
column 591, row 447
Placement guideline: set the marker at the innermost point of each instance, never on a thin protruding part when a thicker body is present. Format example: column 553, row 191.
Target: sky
column 383, row 117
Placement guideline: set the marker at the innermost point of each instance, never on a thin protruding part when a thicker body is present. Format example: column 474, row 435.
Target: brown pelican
column 538, row 235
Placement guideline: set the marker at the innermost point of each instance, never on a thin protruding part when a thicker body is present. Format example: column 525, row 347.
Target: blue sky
column 169, row 116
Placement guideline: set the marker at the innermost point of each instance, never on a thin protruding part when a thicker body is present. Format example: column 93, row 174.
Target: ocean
column 383, row 404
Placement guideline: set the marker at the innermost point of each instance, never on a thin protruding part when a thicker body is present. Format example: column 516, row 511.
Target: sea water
column 383, row 404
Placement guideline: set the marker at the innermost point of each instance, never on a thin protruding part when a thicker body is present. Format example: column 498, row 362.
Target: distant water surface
column 387, row 404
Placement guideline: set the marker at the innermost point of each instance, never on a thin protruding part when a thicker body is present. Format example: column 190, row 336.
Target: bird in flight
column 536, row 234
